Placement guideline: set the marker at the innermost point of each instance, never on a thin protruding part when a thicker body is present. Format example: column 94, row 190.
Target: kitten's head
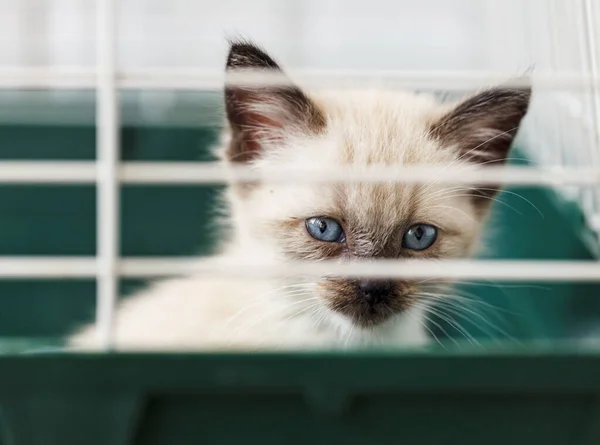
column 285, row 126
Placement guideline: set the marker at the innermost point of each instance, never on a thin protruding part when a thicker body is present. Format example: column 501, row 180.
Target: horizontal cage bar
column 86, row 267
column 201, row 79
column 216, row 173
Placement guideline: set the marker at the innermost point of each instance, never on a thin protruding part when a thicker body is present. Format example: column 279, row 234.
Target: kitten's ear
column 264, row 115
column 484, row 126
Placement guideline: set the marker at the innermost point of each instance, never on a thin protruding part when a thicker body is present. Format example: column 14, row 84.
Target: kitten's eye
column 325, row 229
column 420, row 237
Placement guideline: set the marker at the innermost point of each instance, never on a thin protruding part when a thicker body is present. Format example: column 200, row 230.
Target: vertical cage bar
column 591, row 14
column 107, row 149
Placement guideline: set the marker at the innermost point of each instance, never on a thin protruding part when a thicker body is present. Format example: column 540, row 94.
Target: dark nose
column 375, row 291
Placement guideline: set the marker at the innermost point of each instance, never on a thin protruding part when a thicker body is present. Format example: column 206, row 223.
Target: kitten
column 285, row 126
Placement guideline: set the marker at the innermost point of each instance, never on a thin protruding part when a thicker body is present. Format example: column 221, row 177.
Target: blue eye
column 325, row 229
column 420, row 237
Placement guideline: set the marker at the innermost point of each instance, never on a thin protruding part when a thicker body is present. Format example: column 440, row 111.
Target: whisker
column 490, row 198
column 268, row 314
column 457, row 310
column 473, row 300
column 504, row 133
column 460, row 158
column 298, row 312
column 453, row 323
column 471, row 297
column 436, row 324
column 261, row 300
column 432, row 334
column 462, row 304
column 501, row 286
column 447, row 301
column 517, row 195
column 469, row 217
column 349, row 336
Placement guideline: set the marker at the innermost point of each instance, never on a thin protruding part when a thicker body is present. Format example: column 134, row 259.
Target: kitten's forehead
column 367, row 129
column 388, row 128
column 364, row 130
column 379, row 211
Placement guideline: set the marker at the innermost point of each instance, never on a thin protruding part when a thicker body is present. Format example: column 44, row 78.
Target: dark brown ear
column 484, row 126
column 263, row 115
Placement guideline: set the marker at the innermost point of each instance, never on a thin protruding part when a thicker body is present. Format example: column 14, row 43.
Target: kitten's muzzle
column 375, row 292
column 367, row 302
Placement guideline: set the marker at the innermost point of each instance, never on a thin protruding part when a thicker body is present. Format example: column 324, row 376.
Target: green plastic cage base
column 518, row 397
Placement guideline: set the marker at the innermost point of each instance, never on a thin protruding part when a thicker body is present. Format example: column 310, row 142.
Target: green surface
column 61, row 220
column 465, row 395
column 499, row 397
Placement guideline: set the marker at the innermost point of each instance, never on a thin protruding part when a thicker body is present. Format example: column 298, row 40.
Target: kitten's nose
column 375, row 291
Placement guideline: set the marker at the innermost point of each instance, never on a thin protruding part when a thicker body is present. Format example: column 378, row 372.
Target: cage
column 106, row 180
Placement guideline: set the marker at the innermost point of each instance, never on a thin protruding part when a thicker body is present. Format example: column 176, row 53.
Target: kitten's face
column 364, row 221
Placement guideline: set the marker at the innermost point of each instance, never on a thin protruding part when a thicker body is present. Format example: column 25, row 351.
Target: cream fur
column 363, row 129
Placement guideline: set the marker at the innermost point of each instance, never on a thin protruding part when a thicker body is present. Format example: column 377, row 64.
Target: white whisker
column 446, row 301
column 425, row 310
column 436, row 311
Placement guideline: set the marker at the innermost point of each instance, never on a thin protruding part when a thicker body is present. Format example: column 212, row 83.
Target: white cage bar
column 108, row 153
column 193, row 79
column 87, row 267
column 82, row 172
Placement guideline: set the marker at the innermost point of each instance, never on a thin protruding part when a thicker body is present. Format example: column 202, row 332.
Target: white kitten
column 284, row 126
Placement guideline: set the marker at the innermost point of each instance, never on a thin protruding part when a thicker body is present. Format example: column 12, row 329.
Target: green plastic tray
column 534, row 396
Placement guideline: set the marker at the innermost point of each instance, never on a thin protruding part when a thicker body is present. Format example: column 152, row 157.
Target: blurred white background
column 350, row 34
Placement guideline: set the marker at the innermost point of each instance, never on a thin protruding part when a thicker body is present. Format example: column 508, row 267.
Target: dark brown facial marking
column 375, row 292
column 367, row 302
column 250, row 124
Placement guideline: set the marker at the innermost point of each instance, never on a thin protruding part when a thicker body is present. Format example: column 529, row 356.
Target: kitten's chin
column 372, row 319
column 368, row 317
column 406, row 329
